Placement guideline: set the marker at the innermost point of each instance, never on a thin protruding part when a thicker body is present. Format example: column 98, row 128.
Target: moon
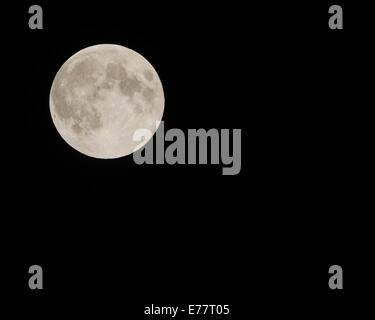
column 101, row 96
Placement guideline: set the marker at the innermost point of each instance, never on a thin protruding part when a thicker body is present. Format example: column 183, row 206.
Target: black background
column 114, row 237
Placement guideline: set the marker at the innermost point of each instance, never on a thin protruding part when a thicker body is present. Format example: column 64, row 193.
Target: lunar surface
column 101, row 96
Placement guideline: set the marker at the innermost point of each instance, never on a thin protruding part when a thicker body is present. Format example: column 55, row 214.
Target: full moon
column 101, row 96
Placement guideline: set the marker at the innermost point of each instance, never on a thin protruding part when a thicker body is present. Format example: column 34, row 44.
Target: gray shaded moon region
column 101, row 96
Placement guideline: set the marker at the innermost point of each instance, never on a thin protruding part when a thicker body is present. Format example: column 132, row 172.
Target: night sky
column 113, row 236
